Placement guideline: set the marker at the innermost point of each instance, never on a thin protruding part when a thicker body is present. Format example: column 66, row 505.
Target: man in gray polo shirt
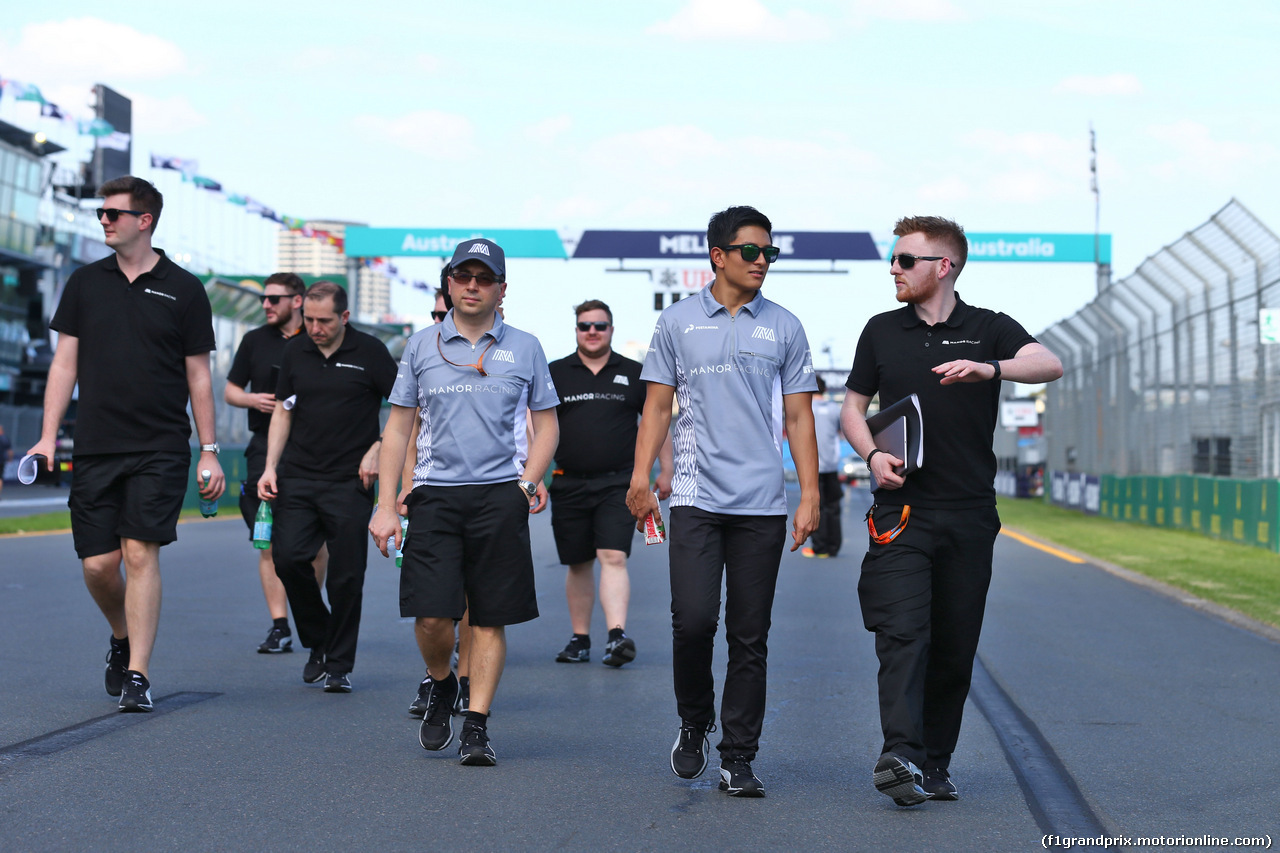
column 471, row 379
column 740, row 367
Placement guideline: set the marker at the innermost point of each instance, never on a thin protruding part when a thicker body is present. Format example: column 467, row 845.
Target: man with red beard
column 924, row 579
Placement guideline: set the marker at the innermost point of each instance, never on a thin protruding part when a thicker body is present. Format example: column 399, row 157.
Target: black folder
column 899, row 431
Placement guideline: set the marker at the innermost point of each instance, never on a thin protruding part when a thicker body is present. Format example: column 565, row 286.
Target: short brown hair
column 144, row 194
column 593, row 305
column 937, row 228
column 324, row 289
column 293, row 283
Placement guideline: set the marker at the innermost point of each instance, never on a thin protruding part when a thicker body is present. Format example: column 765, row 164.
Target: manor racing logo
column 495, row 388
column 168, row 296
column 729, row 367
column 764, row 334
column 503, row 355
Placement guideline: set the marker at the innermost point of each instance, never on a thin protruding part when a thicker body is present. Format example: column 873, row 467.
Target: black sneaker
column 900, row 779
column 737, row 779
column 117, row 666
column 337, row 682
column 575, row 652
column 314, row 671
column 278, row 640
column 938, row 785
column 462, row 704
column 436, row 731
column 136, row 694
column 418, row 707
column 620, row 651
column 689, row 752
column 474, row 749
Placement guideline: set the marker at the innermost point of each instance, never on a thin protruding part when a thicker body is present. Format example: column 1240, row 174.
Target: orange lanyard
column 890, row 535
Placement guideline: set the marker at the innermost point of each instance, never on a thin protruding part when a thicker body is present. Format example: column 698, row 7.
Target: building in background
column 301, row 252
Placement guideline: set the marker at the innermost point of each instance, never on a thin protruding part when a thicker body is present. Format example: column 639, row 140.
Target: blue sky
column 825, row 115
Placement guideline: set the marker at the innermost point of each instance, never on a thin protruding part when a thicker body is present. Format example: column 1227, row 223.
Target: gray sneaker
column 900, row 779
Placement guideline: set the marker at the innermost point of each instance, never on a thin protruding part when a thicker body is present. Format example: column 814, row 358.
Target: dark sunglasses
column 750, row 251
column 465, row 278
column 908, row 261
column 113, row 213
column 439, row 316
column 599, row 327
column 275, row 300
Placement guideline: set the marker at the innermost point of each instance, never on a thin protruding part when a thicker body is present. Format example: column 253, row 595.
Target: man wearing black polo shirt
column 601, row 400
column 135, row 331
column 924, row 579
column 257, row 368
column 321, row 464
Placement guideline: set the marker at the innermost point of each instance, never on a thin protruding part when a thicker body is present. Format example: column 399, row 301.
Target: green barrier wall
column 1242, row 511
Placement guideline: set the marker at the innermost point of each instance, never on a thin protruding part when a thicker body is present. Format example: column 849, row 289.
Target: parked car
column 853, row 470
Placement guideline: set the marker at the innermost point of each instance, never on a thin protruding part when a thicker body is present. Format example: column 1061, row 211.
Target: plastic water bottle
column 404, row 531
column 208, row 508
column 262, row 526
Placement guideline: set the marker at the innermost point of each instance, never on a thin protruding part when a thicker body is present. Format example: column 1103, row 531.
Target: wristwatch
column 530, row 489
column 996, row 365
column 209, row 448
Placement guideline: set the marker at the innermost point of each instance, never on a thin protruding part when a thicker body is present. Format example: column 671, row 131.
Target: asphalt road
column 1117, row 710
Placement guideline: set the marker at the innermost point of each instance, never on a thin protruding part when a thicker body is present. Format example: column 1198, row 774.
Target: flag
column 95, row 127
column 186, row 166
column 252, row 206
column 206, row 183
column 238, row 199
column 49, row 110
column 117, row 141
column 23, row 91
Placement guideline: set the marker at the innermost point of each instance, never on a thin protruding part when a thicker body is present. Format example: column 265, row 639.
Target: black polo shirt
column 256, row 369
column 133, row 342
column 895, row 357
column 598, row 414
column 335, row 416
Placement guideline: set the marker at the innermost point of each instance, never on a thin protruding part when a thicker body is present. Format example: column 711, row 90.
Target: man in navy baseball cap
column 486, row 252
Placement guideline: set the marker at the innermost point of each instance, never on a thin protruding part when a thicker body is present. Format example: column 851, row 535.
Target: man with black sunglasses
column 741, row 368
column 601, row 400
column 322, row 460
column 135, row 331
column 470, row 379
column 925, row 575
column 251, row 384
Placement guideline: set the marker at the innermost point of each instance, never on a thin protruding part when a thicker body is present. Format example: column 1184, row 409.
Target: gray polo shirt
column 826, row 427
column 471, row 423
column 730, row 374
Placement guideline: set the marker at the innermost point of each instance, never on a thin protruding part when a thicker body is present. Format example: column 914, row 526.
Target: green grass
column 62, row 521
column 1238, row 576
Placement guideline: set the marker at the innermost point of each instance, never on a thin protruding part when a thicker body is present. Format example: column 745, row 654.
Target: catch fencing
column 1175, row 369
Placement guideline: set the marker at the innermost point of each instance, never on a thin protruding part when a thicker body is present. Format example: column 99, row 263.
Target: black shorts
column 126, row 495
column 468, row 549
column 588, row 513
column 255, row 465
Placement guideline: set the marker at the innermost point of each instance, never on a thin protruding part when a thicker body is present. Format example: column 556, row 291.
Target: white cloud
column 947, row 189
column 734, row 20
column 435, row 134
column 1102, row 85
column 80, row 51
column 341, row 61
column 1025, row 167
column 1197, row 153
column 549, row 130
column 905, row 10
column 165, row 115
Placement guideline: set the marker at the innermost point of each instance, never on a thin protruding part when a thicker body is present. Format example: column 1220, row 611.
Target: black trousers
column 745, row 550
column 828, row 537
column 306, row 514
column 924, row 595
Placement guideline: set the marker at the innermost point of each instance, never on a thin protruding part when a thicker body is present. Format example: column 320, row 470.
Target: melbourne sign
column 795, row 245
